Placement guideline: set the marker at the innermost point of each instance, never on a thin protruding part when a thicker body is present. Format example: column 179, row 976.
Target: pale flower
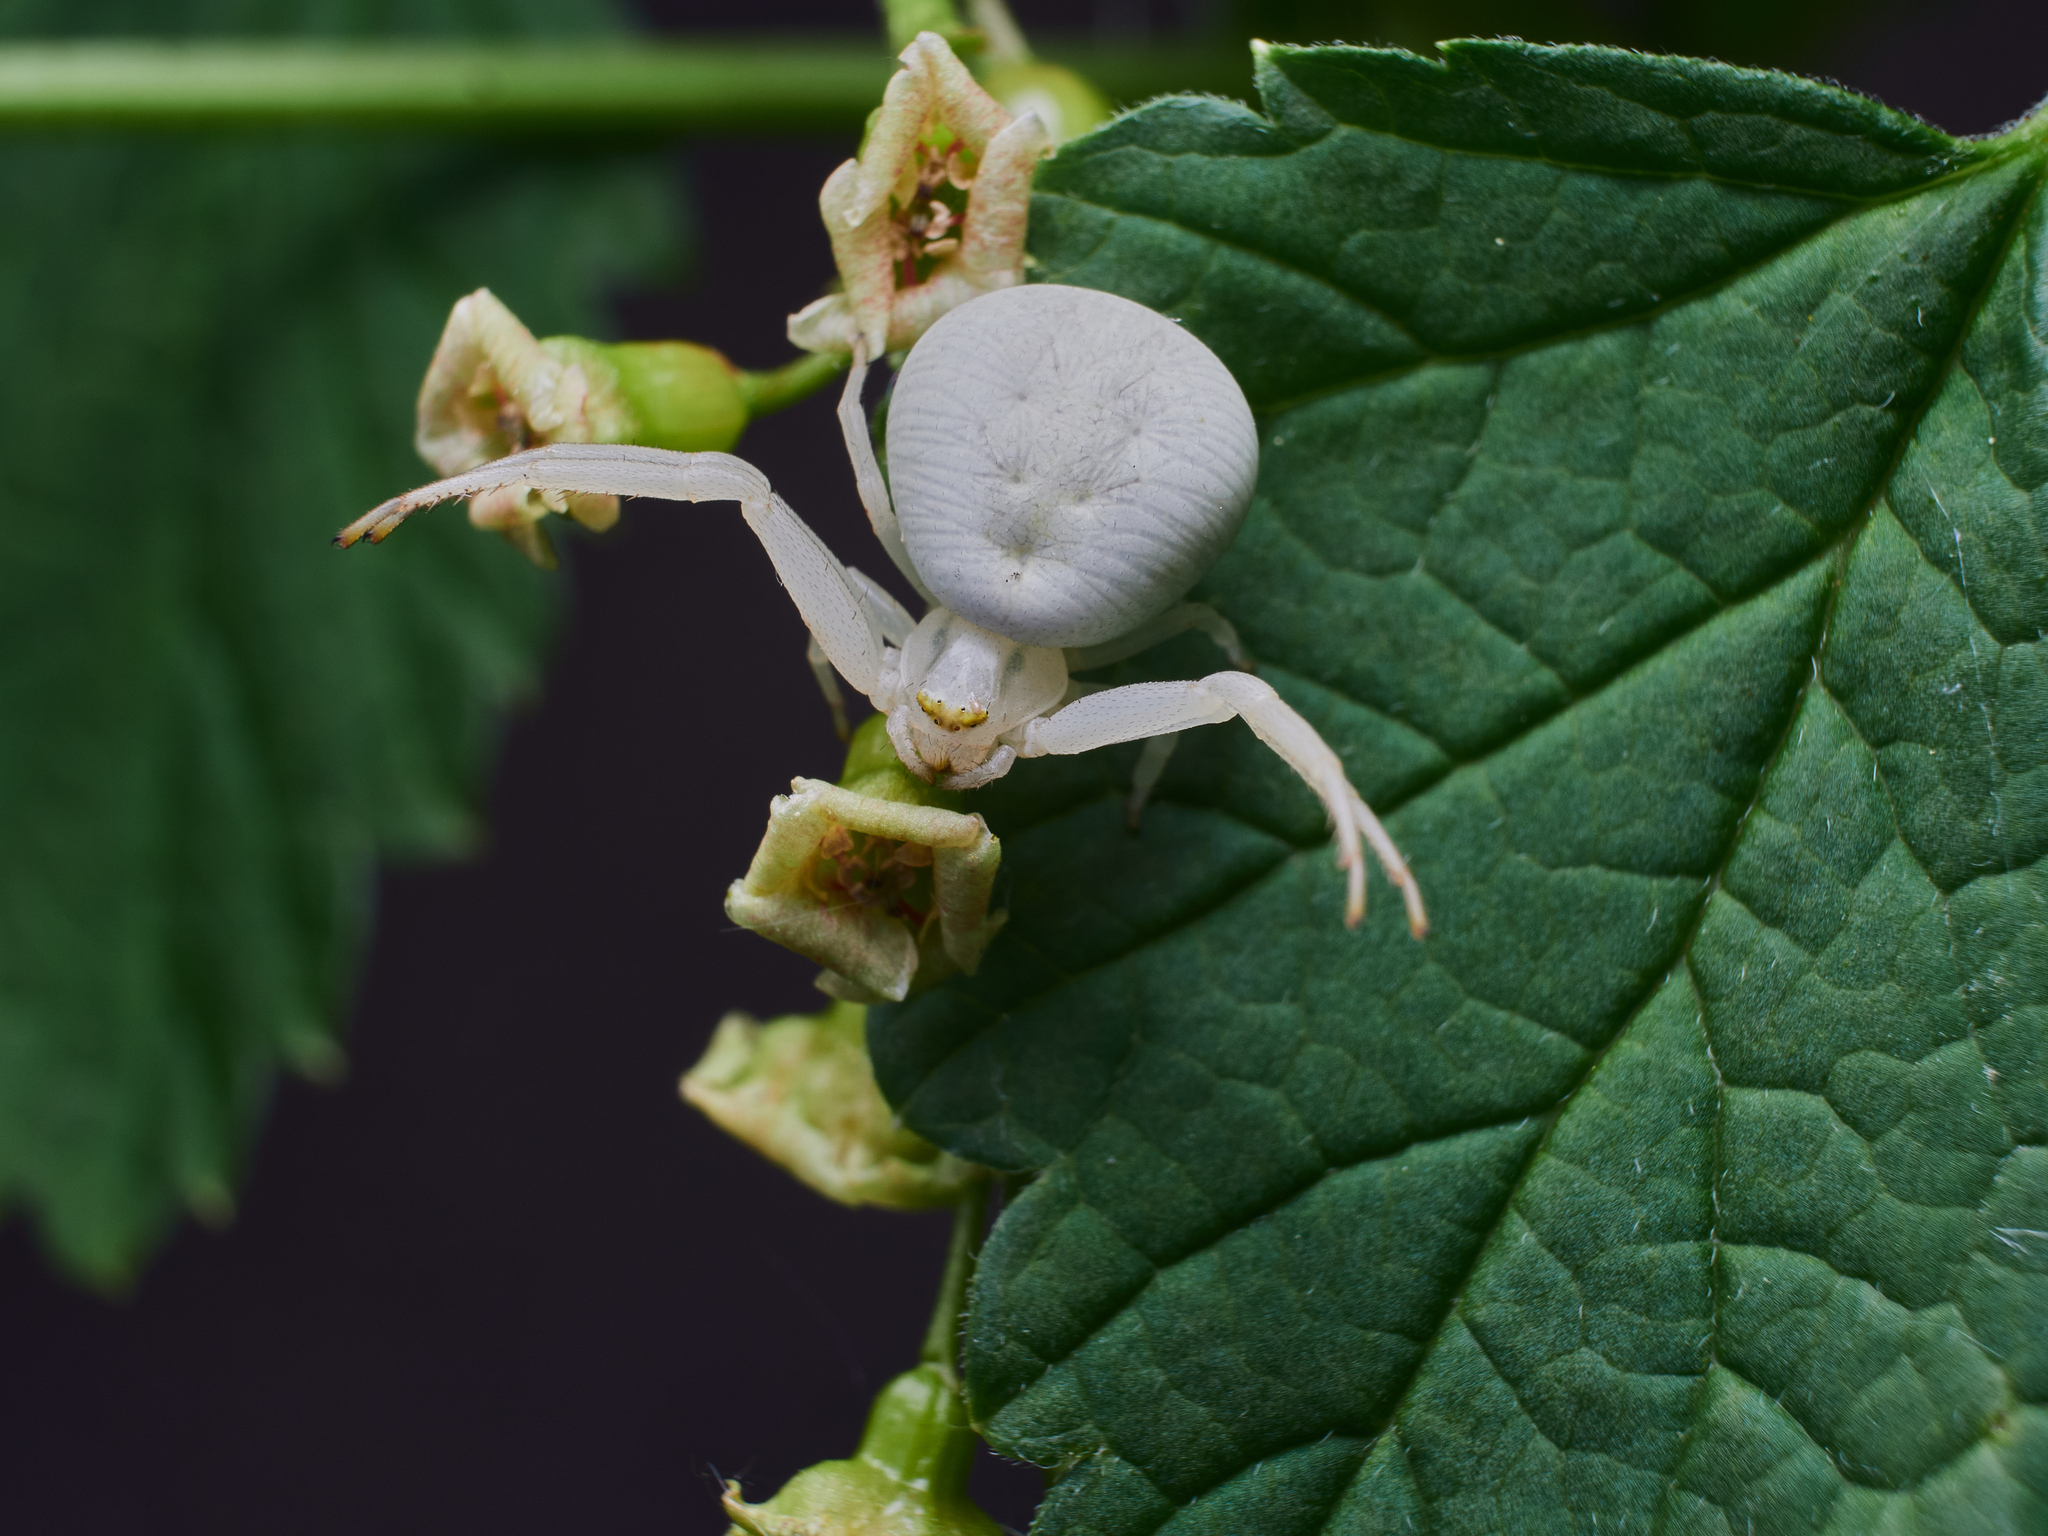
column 931, row 214
column 492, row 390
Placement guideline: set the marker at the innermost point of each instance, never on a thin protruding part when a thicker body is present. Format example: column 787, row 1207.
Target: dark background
column 502, row 1279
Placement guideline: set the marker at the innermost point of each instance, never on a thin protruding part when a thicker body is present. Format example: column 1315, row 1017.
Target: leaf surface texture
column 1651, row 513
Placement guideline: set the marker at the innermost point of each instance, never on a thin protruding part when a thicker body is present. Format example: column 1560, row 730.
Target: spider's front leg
column 845, row 612
column 1156, row 709
column 1177, row 620
column 828, row 684
column 891, row 618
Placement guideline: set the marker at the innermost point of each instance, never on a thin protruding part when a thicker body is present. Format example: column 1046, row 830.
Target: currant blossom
column 933, row 211
column 493, row 389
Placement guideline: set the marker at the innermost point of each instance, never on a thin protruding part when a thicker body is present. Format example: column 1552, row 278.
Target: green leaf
column 1652, row 514
column 215, row 722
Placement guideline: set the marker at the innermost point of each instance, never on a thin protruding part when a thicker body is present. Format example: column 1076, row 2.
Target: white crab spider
column 1065, row 464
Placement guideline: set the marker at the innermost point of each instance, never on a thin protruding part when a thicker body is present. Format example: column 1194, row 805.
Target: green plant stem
column 774, row 388
column 746, row 85
column 942, row 1338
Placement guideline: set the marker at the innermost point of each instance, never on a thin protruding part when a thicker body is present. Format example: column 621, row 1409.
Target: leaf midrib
column 1840, row 552
column 1837, row 549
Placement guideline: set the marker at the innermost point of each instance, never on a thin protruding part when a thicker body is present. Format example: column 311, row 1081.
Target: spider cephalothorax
column 1066, row 464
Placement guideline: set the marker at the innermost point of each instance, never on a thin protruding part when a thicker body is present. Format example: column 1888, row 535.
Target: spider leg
column 993, row 767
column 828, row 685
column 1177, row 620
column 905, row 743
column 834, row 606
column 867, row 473
column 1154, row 709
column 891, row 617
column 1152, row 761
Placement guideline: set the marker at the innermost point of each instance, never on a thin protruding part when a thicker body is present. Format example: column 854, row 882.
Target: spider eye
column 949, row 717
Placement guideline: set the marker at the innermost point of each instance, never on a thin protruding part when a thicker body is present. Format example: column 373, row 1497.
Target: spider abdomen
column 1065, row 463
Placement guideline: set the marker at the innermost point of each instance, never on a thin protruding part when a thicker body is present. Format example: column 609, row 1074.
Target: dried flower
column 874, row 878
column 492, row 389
column 799, row 1091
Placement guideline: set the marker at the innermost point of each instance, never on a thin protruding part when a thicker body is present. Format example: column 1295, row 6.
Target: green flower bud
column 909, row 1477
column 873, row 769
column 904, row 19
column 1066, row 104
column 680, row 395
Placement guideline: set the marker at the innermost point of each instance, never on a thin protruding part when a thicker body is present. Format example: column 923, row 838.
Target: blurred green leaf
column 1652, row 514
column 215, row 723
